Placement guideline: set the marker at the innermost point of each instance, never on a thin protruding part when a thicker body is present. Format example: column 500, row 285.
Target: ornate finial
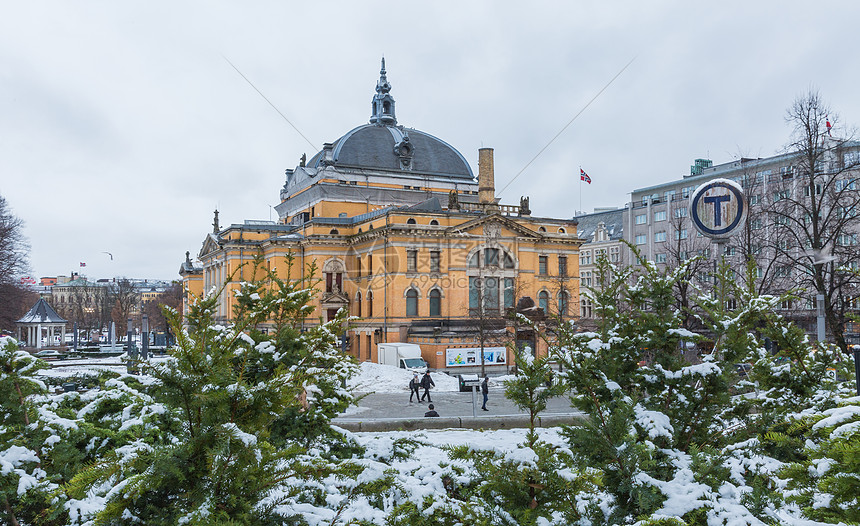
column 383, row 102
column 188, row 258
column 303, row 160
column 215, row 226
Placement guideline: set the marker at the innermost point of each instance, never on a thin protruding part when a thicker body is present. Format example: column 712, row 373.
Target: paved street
column 393, row 411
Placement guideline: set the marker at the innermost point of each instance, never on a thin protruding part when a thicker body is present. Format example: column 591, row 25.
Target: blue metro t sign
column 718, row 208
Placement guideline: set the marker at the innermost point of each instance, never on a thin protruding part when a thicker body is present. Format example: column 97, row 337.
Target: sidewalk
column 392, row 411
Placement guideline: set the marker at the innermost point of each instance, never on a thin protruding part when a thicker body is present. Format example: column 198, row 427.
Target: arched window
column 543, row 301
column 369, row 303
column 410, row 221
column 358, row 304
column 541, row 229
column 434, row 222
column 475, row 260
column 412, row 302
column 562, row 303
column 562, row 231
column 435, row 303
column 334, row 232
column 509, row 261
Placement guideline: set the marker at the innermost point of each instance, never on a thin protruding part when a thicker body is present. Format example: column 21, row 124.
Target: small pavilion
column 42, row 317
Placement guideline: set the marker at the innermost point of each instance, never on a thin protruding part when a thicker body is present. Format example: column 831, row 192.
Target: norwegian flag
column 584, row 176
column 83, row 264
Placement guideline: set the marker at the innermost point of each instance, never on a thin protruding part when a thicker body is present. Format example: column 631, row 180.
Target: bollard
column 857, row 367
column 144, row 338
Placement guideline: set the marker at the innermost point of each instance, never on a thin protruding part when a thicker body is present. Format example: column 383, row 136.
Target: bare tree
column 172, row 298
column 14, row 248
column 15, row 297
column 486, row 320
column 815, row 214
column 682, row 245
column 125, row 298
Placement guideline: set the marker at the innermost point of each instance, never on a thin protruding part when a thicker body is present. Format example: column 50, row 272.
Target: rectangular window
column 614, row 255
column 435, row 258
column 641, row 219
column 542, row 265
column 585, row 258
column 729, row 251
column 669, row 194
column 659, row 237
column 358, row 266
column 846, row 184
column 680, row 212
column 641, row 239
column 509, row 292
column 782, row 194
column 411, row 260
column 491, row 294
column 660, row 215
column 807, row 190
column 370, row 264
column 660, row 258
column 474, row 293
column 562, row 265
column 681, row 234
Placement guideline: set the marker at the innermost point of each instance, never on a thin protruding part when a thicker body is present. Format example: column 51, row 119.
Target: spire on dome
column 383, row 102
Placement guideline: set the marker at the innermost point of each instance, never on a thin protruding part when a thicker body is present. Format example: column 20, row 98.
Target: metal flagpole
column 580, row 189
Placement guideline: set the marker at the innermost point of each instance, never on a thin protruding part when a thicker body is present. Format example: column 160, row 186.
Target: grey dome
column 395, row 149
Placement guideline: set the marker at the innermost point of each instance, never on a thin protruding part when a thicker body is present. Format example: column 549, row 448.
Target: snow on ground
column 378, row 378
column 88, row 366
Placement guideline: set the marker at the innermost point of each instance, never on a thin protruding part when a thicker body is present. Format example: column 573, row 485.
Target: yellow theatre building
column 406, row 238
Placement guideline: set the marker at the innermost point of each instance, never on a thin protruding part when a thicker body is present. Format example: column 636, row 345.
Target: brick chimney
column 486, row 179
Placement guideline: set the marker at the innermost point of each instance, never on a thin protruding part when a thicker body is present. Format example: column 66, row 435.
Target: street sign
column 718, row 208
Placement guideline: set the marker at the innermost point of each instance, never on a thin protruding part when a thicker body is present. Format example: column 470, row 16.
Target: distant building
column 603, row 232
column 657, row 222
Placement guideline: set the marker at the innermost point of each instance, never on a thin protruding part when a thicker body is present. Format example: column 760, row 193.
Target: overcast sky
column 123, row 126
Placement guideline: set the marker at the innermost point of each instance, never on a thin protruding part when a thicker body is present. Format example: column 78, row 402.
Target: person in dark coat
column 431, row 412
column 485, row 390
column 426, row 382
column 414, row 385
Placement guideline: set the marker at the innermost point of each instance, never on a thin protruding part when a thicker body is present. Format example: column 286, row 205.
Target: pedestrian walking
column 431, row 412
column 485, row 390
column 426, row 383
column 414, row 385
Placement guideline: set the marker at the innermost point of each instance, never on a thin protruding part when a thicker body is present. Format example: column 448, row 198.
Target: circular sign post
column 718, row 209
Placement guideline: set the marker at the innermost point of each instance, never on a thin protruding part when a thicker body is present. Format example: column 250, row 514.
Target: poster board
column 469, row 356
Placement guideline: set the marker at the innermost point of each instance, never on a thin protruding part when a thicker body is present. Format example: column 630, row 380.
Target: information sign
column 718, row 208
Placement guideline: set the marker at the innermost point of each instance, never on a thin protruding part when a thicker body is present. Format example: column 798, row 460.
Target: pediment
column 492, row 226
column 210, row 244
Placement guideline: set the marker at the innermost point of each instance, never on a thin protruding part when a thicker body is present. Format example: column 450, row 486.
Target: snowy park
column 238, row 425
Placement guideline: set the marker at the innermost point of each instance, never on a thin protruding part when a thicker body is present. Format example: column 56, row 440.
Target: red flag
column 584, row 176
column 827, row 119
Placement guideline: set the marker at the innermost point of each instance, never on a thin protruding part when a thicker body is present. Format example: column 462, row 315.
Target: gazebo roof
column 42, row 312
